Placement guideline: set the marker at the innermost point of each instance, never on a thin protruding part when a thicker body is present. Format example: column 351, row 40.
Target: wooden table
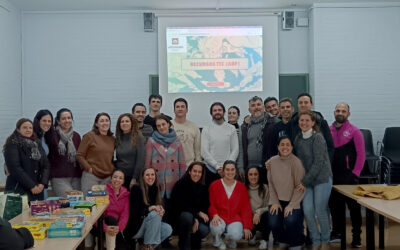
column 67, row 243
column 347, row 190
column 387, row 208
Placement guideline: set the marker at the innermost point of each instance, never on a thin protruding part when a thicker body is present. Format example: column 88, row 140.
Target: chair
column 371, row 171
column 390, row 156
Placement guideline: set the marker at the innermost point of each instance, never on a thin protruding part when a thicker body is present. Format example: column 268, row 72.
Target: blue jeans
column 233, row 231
column 315, row 204
column 153, row 230
column 288, row 230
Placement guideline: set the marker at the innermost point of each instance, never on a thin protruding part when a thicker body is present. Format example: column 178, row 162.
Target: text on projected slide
column 214, row 59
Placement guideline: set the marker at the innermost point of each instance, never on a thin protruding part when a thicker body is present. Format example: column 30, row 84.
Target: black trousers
column 187, row 239
column 337, row 205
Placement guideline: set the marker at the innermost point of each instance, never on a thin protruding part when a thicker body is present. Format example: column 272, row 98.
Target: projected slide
column 214, row 59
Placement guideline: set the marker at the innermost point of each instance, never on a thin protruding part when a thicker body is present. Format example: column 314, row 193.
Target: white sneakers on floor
column 263, row 244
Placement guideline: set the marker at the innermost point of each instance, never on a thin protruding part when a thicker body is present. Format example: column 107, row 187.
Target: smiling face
column 149, row 176
column 229, row 172
column 253, row 177
column 180, row 109
column 65, row 121
column 256, row 108
column 125, row 124
column 45, row 123
column 233, row 116
column 117, row 179
column 26, row 129
column 286, row 110
column 196, row 173
column 162, row 126
column 272, row 107
column 103, row 124
column 305, row 122
column 139, row 113
column 285, row 147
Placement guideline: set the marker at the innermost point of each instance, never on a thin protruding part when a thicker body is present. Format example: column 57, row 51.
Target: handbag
column 12, row 205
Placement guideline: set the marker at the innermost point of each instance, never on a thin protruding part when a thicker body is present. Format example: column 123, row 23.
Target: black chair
column 390, row 156
column 371, row 171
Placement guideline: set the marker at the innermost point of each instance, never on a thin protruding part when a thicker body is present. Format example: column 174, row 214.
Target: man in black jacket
column 15, row 239
column 304, row 102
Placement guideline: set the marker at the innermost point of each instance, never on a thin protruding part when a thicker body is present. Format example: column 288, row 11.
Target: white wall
column 88, row 62
column 10, row 73
column 355, row 58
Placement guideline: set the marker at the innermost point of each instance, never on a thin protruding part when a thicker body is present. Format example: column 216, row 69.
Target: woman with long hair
column 259, row 195
column 63, row 142
column 286, row 216
column 95, row 153
column 129, row 149
column 311, row 148
column 190, row 204
column 229, row 209
column 26, row 162
column 43, row 126
column 146, row 212
column 164, row 153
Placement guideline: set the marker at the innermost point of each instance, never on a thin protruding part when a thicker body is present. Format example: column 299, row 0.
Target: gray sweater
column 130, row 159
column 313, row 153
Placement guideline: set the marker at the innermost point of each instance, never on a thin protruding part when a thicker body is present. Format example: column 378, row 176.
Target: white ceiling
column 154, row 5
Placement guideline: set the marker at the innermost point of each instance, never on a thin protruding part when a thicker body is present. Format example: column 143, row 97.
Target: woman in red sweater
column 230, row 208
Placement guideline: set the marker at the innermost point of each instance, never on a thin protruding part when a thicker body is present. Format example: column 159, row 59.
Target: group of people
column 163, row 175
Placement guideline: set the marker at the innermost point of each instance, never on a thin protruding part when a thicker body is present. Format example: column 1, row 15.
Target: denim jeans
column 153, row 230
column 187, row 238
column 288, row 230
column 315, row 204
column 233, row 231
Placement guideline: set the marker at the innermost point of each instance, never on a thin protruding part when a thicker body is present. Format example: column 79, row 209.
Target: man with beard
column 139, row 112
column 219, row 142
column 253, row 135
column 347, row 164
column 286, row 110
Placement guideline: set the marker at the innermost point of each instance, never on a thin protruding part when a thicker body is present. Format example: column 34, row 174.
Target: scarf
column 29, row 144
column 66, row 139
column 164, row 139
column 262, row 119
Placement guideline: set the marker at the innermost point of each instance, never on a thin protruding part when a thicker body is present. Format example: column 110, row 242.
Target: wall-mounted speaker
column 148, row 22
column 288, row 20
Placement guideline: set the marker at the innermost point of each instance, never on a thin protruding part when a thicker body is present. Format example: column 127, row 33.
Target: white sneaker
column 232, row 244
column 263, row 244
column 252, row 241
column 222, row 246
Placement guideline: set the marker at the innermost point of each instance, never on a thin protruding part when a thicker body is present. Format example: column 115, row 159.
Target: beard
column 340, row 119
column 218, row 117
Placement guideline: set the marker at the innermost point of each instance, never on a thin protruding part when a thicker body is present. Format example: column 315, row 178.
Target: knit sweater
column 283, row 177
column 147, row 131
column 313, row 154
column 235, row 209
column 189, row 135
column 259, row 204
column 96, row 152
column 219, row 142
column 130, row 159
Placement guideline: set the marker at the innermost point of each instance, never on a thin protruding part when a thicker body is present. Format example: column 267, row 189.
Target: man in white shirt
column 187, row 132
column 219, row 142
